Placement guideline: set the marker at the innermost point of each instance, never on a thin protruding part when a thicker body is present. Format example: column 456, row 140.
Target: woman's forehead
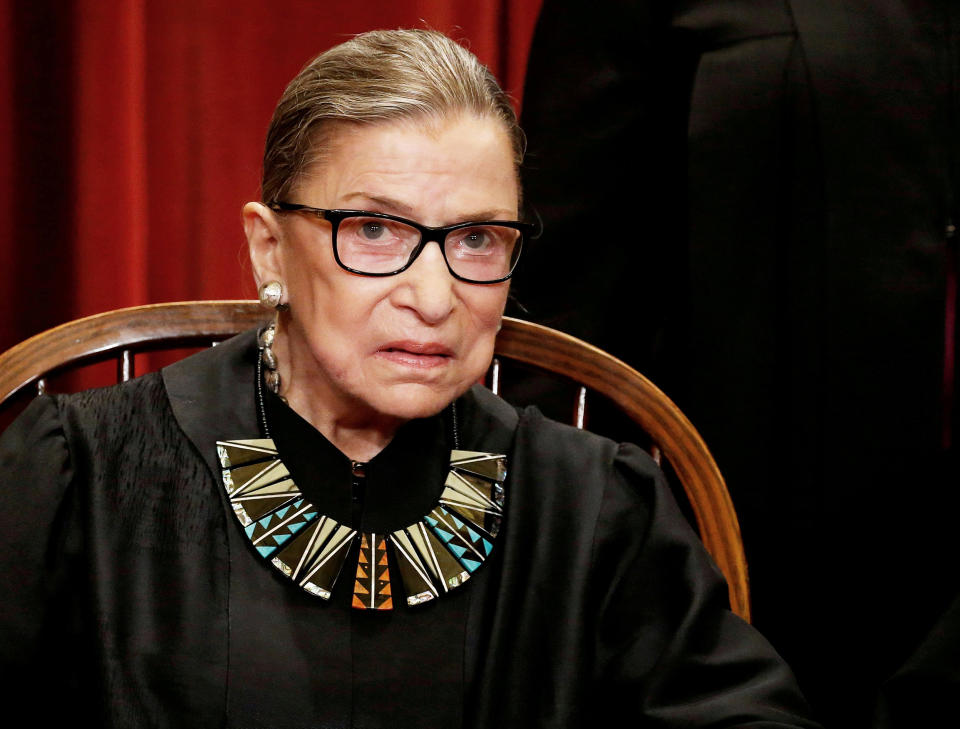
column 463, row 162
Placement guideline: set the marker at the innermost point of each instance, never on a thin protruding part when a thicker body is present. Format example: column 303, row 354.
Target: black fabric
column 115, row 601
column 751, row 202
column 134, row 591
column 924, row 691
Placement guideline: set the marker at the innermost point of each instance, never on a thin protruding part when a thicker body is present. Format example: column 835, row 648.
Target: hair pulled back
column 382, row 76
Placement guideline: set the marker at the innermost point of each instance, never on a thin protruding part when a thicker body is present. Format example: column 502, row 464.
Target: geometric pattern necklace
column 434, row 555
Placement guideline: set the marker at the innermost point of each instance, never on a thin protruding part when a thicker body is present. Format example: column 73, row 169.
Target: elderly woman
column 327, row 523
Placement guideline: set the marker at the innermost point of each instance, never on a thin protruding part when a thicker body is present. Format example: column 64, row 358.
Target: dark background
column 753, row 202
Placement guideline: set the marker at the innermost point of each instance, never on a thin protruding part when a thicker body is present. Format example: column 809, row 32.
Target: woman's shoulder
column 562, row 465
column 133, row 398
column 61, row 440
column 570, row 448
column 541, row 438
column 140, row 409
column 119, row 446
column 100, row 420
column 101, row 409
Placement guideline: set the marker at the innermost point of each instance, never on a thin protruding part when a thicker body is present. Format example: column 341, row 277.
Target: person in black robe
column 325, row 522
column 754, row 203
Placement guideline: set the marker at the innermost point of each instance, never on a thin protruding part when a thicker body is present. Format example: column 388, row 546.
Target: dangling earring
column 268, row 359
column 270, row 294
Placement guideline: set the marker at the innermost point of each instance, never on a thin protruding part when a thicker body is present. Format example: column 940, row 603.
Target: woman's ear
column 264, row 234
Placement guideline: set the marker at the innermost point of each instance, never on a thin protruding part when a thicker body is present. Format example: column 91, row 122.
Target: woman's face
column 402, row 346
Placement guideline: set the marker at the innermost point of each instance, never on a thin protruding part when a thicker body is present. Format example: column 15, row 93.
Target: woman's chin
column 410, row 401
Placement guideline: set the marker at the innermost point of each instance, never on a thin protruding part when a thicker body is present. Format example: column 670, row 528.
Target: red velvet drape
column 131, row 134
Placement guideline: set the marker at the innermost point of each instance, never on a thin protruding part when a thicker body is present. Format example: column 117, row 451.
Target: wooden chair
column 122, row 333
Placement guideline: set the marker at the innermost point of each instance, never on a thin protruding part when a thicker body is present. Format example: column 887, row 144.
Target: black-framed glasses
column 377, row 244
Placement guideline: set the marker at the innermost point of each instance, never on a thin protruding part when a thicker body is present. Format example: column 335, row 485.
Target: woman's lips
column 416, row 354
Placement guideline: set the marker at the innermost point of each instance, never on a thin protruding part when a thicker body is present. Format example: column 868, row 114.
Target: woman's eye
column 475, row 240
column 371, row 230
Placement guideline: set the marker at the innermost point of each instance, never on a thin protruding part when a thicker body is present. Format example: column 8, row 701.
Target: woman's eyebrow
column 396, row 207
column 384, row 204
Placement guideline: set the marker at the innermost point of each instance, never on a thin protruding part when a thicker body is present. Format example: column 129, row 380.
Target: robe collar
column 399, row 485
column 213, row 397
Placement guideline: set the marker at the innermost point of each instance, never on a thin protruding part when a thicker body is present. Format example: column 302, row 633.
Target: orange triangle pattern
column 372, row 589
column 383, row 600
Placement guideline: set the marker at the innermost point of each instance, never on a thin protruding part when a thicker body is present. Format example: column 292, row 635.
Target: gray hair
column 381, row 76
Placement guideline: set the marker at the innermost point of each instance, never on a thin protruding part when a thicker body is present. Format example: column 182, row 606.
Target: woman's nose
column 428, row 285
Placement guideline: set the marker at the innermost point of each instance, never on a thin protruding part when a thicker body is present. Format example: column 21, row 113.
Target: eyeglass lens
column 376, row 245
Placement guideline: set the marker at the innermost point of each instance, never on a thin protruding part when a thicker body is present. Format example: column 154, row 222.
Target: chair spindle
column 495, row 376
column 656, row 454
column 125, row 365
column 580, row 410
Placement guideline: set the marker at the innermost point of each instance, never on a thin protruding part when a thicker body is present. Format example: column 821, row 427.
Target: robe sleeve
column 669, row 650
column 923, row 691
column 37, row 548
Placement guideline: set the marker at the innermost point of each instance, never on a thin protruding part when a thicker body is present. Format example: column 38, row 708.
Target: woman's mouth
column 416, row 354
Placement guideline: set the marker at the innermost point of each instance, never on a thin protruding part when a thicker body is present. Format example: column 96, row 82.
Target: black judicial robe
column 131, row 596
column 924, row 691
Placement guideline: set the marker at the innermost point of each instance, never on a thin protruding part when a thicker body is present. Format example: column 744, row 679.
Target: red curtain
column 131, row 134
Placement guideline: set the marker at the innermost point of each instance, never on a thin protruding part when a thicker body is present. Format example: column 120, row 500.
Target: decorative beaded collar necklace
column 433, row 555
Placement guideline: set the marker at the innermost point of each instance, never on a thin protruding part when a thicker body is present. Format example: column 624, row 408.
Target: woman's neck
column 356, row 438
column 357, row 432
